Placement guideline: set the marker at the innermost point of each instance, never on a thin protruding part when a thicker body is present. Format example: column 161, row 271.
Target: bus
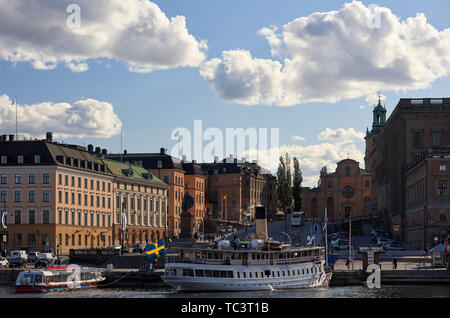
column 296, row 218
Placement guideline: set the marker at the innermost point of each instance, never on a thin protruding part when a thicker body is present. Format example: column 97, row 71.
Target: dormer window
column 37, row 159
column 4, row 160
column 20, row 159
column 159, row 164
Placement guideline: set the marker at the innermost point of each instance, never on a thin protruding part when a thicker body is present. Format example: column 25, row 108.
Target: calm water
column 333, row 292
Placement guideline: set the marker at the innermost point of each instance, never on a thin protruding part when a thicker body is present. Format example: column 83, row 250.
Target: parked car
column 19, row 254
column 46, row 259
column 17, row 262
column 33, row 257
column 382, row 241
column 393, row 246
column 4, row 262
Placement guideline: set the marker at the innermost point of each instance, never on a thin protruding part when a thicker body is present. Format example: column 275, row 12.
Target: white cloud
column 134, row 31
column 330, row 56
column 341, row 136
column 83, row 118
column 313, row 157
column 298, row 138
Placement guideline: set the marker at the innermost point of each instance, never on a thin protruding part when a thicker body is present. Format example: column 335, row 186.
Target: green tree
column 297, row 186
column 284, row 184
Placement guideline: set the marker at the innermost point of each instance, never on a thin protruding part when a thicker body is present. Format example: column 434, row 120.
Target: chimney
column 183, row 158
column 98, row 150
column 49, row 136
column 216, row 159
column 255, row 162
column 194, row 161
column 162, row 151
column 90, row 148
column 4, row 137
column 125, row 152
column 11, row 137
column 261, row 223
column 104, row 151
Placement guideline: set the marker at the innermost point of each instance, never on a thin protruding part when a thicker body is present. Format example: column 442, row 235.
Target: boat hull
column 197, row 284
column 47, row 288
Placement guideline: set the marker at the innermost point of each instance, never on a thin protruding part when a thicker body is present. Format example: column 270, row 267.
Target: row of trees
column 288, row 186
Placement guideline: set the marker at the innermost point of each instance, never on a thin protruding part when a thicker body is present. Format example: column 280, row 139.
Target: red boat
column 57, row 279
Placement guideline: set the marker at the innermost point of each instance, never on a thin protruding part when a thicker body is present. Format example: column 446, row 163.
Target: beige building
column 55, row 196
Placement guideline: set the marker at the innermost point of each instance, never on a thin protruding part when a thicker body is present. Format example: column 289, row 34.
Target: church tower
column 379, row 121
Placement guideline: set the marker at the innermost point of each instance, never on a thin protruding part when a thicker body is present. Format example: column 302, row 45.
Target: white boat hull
column 193, row 284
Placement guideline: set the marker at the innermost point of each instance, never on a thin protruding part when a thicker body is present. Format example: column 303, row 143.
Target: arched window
column 347, row 171
column 330, row 206
column 314, row 207
column 367, row 203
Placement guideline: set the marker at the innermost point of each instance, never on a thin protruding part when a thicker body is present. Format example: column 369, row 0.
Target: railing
column 286, row 261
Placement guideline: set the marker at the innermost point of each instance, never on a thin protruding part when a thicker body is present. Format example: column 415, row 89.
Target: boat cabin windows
column 188, row 272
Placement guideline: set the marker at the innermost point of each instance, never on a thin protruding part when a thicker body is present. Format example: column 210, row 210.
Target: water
column 332, row 292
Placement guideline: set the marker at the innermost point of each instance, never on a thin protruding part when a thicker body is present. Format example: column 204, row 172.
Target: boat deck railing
column 251, row 262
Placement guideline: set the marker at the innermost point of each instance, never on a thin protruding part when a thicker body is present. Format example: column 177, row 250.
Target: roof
column 122, row 169
column 150, row 160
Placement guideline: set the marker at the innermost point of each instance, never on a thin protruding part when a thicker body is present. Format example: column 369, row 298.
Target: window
column 4, row 160
column 442, row 188
column 66, row 180
column 60, row 196
column 417, row 138
column 59, row 178
column 20, row 159
column 37, row 159
column 159, row 164
column 45, row 216
column 4, row 179
column 347, row 172
column 18, row 179
column 46, row 178
column 31, row 217
column 437, row 137
column 3, row 196
column 17, row 239
column 17, row 196
column 31, row 178
column 32, row 196
column 45, row 195
column 166, row 179
column 17, row 217
column 443, row 168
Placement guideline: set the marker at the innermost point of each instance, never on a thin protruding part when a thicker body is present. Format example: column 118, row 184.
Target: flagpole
column 326, row 238
column 15, row 101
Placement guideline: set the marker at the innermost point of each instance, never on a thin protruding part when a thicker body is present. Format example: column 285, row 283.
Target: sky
column 87, row 70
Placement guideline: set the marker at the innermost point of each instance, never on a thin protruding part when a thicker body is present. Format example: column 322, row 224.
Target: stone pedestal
column 186, row 225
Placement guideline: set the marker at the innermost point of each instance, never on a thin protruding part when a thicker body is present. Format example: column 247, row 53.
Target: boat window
column 216, row 255
column 229, row 274
column 223, row 274
column 199, row 273
column 244, row 275
column 289, row 273
column 210, row 255
column 238, row 275
column 173, row 272
column 258, row 256
column 188, row 272
column 197, row 255
column 303, row 271
column 250, row 275
column 204, row 255
column 256, row 274
column 216, row 273
column 208, row 273
column 307, row 271
column 253, row 256
column 233, row 256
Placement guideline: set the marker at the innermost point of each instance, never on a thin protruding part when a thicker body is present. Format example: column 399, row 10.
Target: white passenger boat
column 46, row 280
column 248, row 269
column 260, row 264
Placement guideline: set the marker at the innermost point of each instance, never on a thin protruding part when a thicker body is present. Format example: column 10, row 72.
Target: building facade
column 427, row 221
column 344, row 193
column 55, row 196
column 140, row 204
column 414, row 127
column 235, row 187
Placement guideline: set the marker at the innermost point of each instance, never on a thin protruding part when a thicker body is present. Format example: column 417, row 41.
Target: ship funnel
column 261, row 222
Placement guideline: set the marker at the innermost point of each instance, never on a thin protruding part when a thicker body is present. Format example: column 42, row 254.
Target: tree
column 297, row 186
column 284, row 184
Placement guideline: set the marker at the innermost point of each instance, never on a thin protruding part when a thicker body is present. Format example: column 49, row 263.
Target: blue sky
column 151, row 104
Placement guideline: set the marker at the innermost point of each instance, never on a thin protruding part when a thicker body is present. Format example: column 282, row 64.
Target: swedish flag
column 155, row 250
